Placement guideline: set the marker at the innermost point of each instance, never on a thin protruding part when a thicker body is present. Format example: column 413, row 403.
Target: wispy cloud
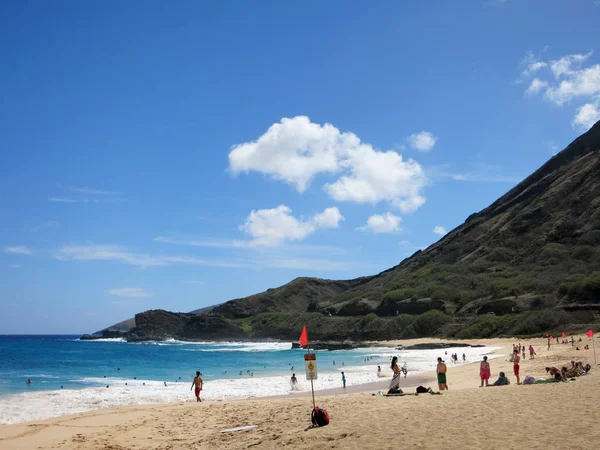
column 91, row 191
column 87, row 194
column 131, row 293
column 62, row 200
column 19, row 250
column 15, row 266
column 45, row 225
column 476, row 172
column 255, row 261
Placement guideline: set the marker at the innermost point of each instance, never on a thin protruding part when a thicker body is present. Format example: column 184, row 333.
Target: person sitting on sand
column 395, row 383
column 441, row 375
column 501, row 381
column 199, row 384
column 484, row 371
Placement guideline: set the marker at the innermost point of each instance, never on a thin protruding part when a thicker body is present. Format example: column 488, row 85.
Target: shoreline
column 132, row 395
column 358, row 419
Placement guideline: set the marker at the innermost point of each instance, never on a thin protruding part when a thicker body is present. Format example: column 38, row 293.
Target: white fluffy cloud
column 536, row 86
column 383, row 223
column 18, row 250
column 131, row 293
column 570, row 81
column 586, row 116
column 330, row 218
column 380, row 176
column 272, row 227
column 423, row 141
column 296, row 150
column 439, row 230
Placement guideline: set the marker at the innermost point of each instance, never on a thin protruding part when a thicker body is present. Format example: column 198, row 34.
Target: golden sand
column 561, row 415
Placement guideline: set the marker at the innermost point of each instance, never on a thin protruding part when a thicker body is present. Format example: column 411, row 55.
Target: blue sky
column 177, row 155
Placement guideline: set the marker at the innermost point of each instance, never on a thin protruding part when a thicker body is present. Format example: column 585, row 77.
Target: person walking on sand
column 516, row 366
column 198, row 383
column 484, row 371
column 531, row 352
column 344, row 380
column 441, row 375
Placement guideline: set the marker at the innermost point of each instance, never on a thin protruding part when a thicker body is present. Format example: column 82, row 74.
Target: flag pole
column 312, row 386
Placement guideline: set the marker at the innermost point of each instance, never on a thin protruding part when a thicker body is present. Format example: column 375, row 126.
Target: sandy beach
column 562, row 415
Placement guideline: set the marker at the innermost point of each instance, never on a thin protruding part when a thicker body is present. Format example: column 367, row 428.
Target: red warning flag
column 304, row 337
column 590, row 334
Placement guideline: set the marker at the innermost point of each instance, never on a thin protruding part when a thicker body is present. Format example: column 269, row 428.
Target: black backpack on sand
column 319, row 417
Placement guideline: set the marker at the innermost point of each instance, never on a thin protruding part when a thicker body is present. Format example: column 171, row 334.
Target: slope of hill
column 531, row 260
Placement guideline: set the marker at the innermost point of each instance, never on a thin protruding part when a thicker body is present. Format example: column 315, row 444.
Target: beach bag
column 395, row 390
column 319, row 417
column 422, row 390
column 528, row 380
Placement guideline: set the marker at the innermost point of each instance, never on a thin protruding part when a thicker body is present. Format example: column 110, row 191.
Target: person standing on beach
column 441, row 375
column 516, row 366
column 484, row 371
column 198, row 383
column 395, row 383
column 531, row 352
column 294, row 382
column 344, row 380
column 523, row 352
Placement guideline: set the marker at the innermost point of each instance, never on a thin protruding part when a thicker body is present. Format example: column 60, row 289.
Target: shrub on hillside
column 429, row 323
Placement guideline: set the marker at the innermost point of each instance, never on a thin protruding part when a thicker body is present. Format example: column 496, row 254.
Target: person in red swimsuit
column 198, row 383
column 516, row 366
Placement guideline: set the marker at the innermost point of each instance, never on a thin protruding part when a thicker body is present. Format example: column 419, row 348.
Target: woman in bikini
column 484, row 371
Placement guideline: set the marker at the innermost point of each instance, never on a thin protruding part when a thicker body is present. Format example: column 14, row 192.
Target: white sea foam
column 46, row 404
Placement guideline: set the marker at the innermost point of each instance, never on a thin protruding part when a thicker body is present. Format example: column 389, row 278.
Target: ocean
column 70, row 376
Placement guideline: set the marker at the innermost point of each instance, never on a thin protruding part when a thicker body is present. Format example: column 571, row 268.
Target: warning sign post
column 310, row 361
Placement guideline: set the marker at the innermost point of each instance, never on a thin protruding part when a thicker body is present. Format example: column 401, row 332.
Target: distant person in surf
column 294, row 382
column 379, row 371
column 198, row 383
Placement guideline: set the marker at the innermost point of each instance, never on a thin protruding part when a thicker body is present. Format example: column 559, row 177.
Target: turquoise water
column 70, row 376
column 55, row 361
